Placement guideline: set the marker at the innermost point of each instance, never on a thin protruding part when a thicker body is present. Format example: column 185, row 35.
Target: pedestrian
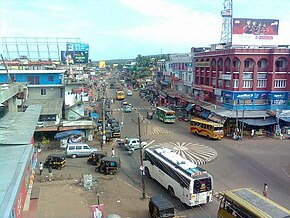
column 253, row 133
column 265, row 191
column 113, row 152
column 40, row 168
column 50, row 175
column 38, row 147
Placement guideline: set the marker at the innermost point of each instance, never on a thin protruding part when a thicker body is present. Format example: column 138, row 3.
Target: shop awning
column 60, row 135
column 189, row 107
column 260, row 122
column 204, row 114
column 286, row 119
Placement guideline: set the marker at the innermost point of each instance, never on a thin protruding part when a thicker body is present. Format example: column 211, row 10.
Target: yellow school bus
column 245, row 202
column 120, row 95
column 206, row 128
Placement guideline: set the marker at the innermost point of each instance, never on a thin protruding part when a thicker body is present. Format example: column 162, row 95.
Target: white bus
column 181, row 177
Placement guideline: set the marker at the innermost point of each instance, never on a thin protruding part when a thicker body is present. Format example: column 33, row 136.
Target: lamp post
column 242, row 127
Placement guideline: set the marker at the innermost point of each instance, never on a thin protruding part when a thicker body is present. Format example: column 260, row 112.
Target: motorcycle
column 121, row 142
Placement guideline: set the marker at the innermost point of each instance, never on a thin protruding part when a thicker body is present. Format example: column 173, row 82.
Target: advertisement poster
column 249, row 31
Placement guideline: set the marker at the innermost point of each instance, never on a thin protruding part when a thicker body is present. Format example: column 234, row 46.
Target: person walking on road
column 50, row 176
column 38, row 147
column 265, row 191
column 113, row 152
column 40, row 168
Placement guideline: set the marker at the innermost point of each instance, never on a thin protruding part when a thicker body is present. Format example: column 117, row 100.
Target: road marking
column 148, row 144
column 285, row 172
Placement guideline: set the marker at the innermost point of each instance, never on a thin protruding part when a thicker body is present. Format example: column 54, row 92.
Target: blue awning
column 94, row 115
column 260, row 122
column 286, row 119
column 204, row 114
column 61, row 135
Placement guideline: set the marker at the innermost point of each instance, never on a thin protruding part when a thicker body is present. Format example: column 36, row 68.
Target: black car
column 96, row 157
column 56, row 161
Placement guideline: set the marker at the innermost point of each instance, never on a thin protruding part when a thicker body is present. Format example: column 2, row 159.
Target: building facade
column 244, row 79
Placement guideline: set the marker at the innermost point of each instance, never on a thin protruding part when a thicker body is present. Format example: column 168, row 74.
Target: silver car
column 79, row 150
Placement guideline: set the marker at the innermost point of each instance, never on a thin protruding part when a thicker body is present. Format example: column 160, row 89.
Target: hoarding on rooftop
column 249, row 31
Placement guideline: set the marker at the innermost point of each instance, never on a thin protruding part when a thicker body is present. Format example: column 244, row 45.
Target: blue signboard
column 73, row 46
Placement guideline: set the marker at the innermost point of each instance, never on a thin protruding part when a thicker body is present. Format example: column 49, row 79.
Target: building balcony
column 281, row 69
column 248, row 69
column 262, row 69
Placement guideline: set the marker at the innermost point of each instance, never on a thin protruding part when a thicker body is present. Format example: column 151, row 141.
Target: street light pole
column 141, row 155
column 104, row 119
column 242, row 127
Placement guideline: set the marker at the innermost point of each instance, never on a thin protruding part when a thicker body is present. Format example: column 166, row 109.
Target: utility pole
column 139, row 122
column 104, row 119
column 242, row 127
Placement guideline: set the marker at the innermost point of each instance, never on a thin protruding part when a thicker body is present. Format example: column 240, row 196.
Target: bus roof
column 165, row 109
column 183, row 164
column 207, row 122
column 257, row 203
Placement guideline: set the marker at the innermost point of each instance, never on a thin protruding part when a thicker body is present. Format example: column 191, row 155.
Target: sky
column 126, row 28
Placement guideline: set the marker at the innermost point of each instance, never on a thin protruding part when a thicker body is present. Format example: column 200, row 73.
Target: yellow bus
column 245, row 202
column 206, row 128
column 120, row 95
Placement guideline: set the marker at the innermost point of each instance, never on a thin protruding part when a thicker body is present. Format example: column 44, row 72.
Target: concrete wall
column 51, row 93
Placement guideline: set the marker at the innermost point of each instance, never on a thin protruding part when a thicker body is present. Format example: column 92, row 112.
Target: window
column 280, row 83
column 201, row 80
column 50, row 78
column 228, row 83
column 213, row 81
column 207, row 81
column 86, row 147
column 247, row 83
column 220, row 83
column 247, row 64
column 79, row 147
column 197, row 80
column 236, row 63
column 71, row 148
column 42, row 91
column 279, row 63
column 262, row 83
column 236, row 83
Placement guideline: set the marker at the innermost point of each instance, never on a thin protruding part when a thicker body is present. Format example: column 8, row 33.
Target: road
column 249, row 163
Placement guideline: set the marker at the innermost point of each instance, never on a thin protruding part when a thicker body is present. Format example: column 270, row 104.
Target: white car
column 129, row 93
column 133, row 144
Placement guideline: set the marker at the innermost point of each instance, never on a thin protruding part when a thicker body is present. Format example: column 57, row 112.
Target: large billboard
column 247, row 31
column 74, row 57
column 75, row 46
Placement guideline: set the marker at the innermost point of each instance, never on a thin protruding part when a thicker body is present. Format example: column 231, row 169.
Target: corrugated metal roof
column 49, row 106
column 32, row 71
column 13, row 160
column 247, row 114
column 17, row 128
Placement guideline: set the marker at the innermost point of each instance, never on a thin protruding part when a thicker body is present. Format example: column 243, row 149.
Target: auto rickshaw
column 96, row 157
column 160, row 207
column 56, row 161
column 109, row 165
column 149, row 115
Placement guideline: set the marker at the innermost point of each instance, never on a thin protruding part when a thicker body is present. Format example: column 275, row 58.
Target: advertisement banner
column 75, row 46
column 248, row 31
column 74, row 57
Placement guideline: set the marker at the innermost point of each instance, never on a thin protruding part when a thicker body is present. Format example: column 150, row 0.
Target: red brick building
column 250, row 79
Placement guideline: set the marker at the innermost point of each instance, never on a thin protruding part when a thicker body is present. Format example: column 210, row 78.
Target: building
column 244, row 79
column 17, row 161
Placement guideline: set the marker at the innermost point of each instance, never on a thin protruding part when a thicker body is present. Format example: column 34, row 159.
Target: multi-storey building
column 244, row 79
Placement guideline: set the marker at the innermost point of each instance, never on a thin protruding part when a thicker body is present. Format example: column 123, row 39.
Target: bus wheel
column 147, row 173
column 171, row 191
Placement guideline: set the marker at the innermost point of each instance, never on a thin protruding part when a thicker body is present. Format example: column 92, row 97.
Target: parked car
column 56, row 161
column 79, row 150
column 133, row 144
column 129, row 93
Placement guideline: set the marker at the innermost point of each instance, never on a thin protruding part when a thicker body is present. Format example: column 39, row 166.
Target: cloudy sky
column 126, row 28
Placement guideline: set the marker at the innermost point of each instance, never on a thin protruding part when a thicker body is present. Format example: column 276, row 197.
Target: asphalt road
column 249, row 163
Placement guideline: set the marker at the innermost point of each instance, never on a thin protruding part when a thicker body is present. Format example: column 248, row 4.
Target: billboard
column 248, row 31
column 74, row 57
column 75, row 46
